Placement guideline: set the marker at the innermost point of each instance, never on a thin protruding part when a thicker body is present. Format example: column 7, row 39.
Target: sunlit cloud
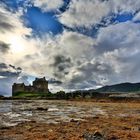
column 48, row 5
column 86, row 44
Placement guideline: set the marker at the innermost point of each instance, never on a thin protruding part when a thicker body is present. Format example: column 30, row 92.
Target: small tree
column 60, row 94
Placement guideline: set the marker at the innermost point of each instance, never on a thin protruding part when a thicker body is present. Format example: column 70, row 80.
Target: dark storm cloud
column 5, row 26
column 4, row 47
column 54, row 81
column 61, row 65
column 5, row 70
column 10, row 74
column 18, row 69
column 97, row 67
column 5, row 23
column 90, row 74
column 60, row 59
column 3, row 66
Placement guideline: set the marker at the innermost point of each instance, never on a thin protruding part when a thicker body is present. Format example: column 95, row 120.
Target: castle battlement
column 40, row 85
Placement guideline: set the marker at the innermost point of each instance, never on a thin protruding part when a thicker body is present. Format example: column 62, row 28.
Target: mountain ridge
column 121, row 87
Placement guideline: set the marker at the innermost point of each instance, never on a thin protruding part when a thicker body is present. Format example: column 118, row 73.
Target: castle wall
column 18, row 88
column 39, row 86
column 29, row 89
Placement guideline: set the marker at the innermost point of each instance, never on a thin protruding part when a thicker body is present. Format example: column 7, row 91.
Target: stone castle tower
column 40, row 85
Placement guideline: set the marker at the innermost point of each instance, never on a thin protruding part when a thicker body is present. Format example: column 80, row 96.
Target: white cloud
column 118, row 46
column 13, row 37
column 130, row 6
column 68, row 44
column 137, row 17
column 84, row 13
column 48, row 5
column 13, row 32
column 87, row 13
column 85, row 62
column 75, row 59
column 112, row 58
column 82, row 62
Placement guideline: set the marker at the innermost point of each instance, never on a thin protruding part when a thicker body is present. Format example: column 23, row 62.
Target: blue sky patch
column 124, row 17
column 42, row 22
column 11, row 3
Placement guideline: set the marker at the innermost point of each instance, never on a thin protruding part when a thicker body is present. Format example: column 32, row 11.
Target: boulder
column 42, row 109
column 95, row 136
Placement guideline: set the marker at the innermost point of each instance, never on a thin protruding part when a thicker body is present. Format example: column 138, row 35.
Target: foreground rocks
column 121, row 121
column 42, row 109
column 95, row 136
column 101, row 128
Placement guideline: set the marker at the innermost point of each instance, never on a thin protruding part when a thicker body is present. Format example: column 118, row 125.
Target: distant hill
column 122, row 87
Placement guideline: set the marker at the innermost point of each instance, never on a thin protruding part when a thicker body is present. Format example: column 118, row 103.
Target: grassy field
column 31, row 95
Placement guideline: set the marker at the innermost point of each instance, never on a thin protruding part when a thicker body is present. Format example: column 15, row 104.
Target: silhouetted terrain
column 129, row 90
column 122, row 87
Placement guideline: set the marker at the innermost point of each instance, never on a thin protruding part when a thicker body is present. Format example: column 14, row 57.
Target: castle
column 40, row 85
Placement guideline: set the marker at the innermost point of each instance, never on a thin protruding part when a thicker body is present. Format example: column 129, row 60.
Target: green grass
column 30, row 94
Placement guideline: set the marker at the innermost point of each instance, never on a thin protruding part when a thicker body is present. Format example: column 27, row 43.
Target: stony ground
column 120, row 122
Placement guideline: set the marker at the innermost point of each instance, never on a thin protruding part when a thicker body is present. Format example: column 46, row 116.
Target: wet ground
column 68, row 120
column 15, row 112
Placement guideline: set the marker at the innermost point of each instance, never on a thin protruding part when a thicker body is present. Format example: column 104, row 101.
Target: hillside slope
column 123, row 87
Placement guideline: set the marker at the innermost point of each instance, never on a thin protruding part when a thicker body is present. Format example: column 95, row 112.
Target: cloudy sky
column 75, row 44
